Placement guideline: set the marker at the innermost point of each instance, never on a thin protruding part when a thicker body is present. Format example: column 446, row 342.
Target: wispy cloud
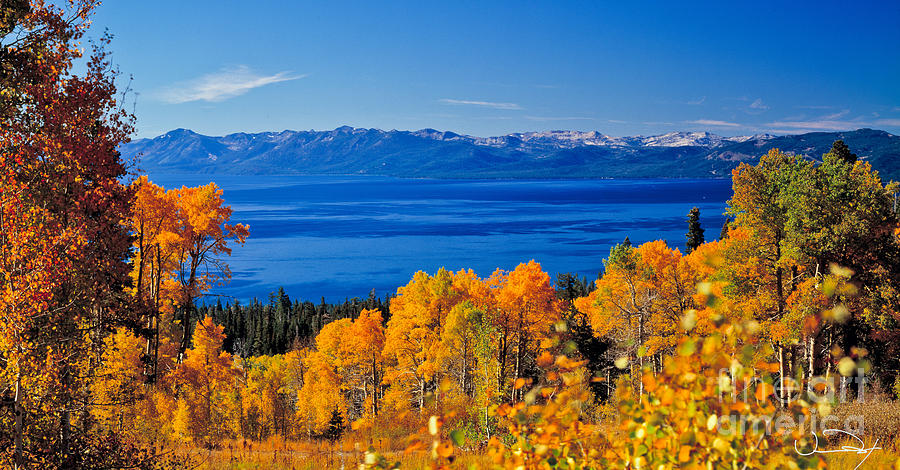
column 835, row 116
column 492, row 118
column 698, row 101
column 483, row 104
column 714, row 123
column 758, row 104
column 828, row 122
column 831, row 122
column 817, row 125
column 561, row 118
column 222, row 85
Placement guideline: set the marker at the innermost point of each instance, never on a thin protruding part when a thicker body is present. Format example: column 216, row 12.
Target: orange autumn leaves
column 343, row 375
column 453, row 340
column 202, row 384
column 178, row 232
column 453, row 335
column 691, row 415
column 180, row 236
column 645, row 291
column 63, row 243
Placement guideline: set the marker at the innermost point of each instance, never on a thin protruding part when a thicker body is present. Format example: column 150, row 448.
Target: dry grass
column 304, row 455
column 881, row 421
column 879, row 459
column 276, row 454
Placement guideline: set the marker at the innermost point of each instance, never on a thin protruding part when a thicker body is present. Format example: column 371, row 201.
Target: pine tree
column 840, row 149
column 695, row 232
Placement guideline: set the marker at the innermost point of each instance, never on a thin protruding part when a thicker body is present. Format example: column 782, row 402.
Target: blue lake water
column 341, row 236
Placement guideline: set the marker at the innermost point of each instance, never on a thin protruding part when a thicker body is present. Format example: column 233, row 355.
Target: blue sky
column 490, row 68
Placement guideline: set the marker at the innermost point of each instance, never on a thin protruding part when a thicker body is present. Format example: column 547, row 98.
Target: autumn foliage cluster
column 688, row 358
column 105, row 362
column 66, row 251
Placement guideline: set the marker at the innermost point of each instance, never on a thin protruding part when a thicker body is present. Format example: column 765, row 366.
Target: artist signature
column 862, row 449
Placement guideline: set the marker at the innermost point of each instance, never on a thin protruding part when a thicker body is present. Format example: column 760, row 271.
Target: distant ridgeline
column 435, row 154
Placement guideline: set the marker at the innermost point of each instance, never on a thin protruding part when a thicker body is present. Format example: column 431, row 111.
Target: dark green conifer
column 840, row 150
column 695, row 232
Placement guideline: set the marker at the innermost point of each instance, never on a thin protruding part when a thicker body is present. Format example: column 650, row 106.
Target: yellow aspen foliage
column 204, row 381
column 119, row 388
column 413, row 335
column 711, row 406
column 320, row 398
column 362, row 365
column 642, row 298
column 181, row 422
column 526, row 309
column 329, row 339
column 203, row 224
column 268, row 394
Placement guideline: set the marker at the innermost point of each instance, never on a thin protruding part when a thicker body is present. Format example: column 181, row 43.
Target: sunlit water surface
column 341, row 236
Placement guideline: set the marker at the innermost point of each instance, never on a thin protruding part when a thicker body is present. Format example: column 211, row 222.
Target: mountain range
column 440, row 154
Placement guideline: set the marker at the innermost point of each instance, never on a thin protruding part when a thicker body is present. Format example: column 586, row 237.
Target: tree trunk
column 501, row 357
column 640, row 343
column 374, row 386
column 141, row 255
column 779, row 275
column 65, row 434
column 516, row 372
column 781, row 375
column 812, row 356
column 465, row 369
column 188, row 291
column 156, row 313
column 19, row 412
column 421, row 395
column 793, row 278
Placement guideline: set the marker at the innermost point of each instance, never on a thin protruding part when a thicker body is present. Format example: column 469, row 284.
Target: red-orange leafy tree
column 64, row 242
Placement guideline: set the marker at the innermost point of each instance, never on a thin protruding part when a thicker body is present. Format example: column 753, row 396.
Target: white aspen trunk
column 512, row 393
column 465, row 368
column 812, row 357
column 781, row 375
column 640, row 343
column 421, row 395
column 17, row 409
column 374, row 387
